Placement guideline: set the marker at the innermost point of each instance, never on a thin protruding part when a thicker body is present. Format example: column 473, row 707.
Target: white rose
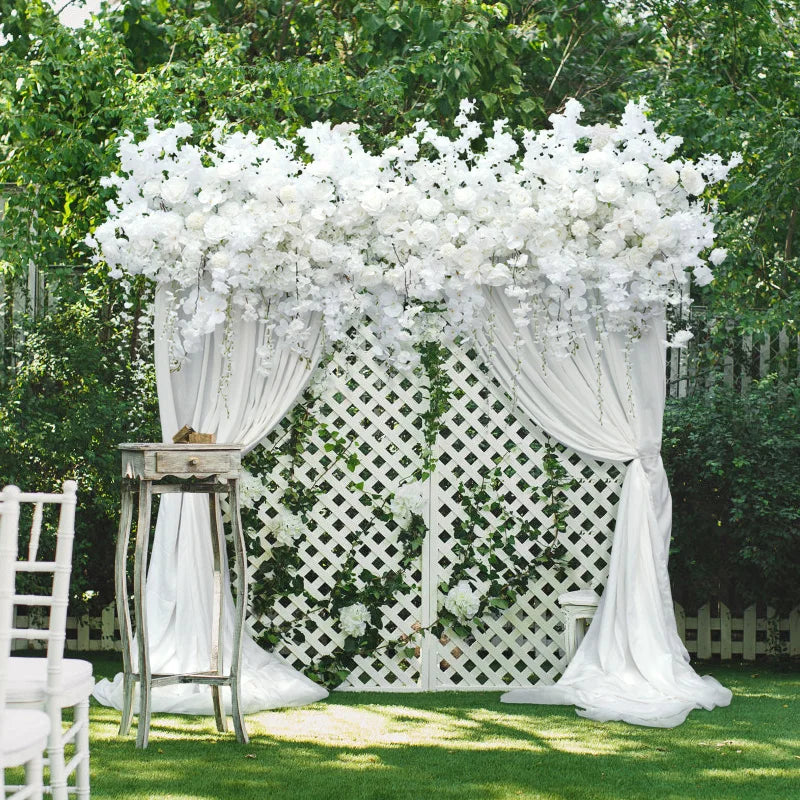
column 320, row 251
column 584, row 203
column 292, row 212
column 692, row 180
column 519, row 198
column 288, row 194
column 496, row 275
column 597, row 160
column 463, row 601
column 219, row 260
column 667, row 175
column 469, row 257
column 373, row 201
column 286, row 528
column 465, row 198
column 580, row 228
column 703, row 275
column 609, row 189
column 409, row 499
column 484, row 210
column 634, row 172
column 428, row 234
column 195, row 221
column 215, row 229
column 717, row 256
column 353, row 619
column 175, row 190
column 387, row 224
column 151, row 189
column 429, row 208
column 448, row 251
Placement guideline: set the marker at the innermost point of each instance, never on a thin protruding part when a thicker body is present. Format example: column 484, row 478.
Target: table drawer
column 176, row 463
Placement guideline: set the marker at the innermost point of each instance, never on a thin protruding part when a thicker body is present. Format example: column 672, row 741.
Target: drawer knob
column 192, row 462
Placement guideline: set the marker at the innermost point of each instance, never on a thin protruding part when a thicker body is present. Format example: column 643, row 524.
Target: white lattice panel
column 381, row 408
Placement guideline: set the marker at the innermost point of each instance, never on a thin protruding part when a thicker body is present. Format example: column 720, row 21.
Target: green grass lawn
column 463, row 746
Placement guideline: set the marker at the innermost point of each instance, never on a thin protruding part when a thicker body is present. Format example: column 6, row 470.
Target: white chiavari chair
column 23, row 733
column 52, row 683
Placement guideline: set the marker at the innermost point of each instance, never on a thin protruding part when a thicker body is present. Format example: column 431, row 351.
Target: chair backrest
column 9, row 517
column 48, row 593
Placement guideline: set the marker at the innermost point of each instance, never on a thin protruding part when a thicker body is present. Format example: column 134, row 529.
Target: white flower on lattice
column 354, row 619
column 408, row 499
column 463, row 601
column 251, row 489
column 285, row 528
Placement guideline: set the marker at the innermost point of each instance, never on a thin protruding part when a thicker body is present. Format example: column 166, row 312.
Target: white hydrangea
column 463, row 601
column 251, row 489
column 285, row 528
column 354, row 619
column 408, row 499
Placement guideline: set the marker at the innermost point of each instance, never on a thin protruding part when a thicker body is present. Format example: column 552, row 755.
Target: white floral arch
column 559, row 258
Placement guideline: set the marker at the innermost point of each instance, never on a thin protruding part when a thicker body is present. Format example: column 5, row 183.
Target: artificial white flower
column 609, row 189
column 286, row 528
column 463, row 601
column 717, row 256
column 681, row 339
column 353, row 619
column 409, row 498
column 692, row 180
column 251, row 228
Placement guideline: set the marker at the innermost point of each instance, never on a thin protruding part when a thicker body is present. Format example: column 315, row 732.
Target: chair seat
column 580, row 597
column 23, row 736
column 27, row 681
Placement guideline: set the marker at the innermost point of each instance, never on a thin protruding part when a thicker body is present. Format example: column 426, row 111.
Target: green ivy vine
column 487, row 536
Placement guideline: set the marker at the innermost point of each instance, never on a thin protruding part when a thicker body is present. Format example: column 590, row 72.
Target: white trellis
column 381, row 408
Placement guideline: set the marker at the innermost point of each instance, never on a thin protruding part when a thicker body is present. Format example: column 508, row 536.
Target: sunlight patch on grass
column 360, row 761
column 740, row 774
column 474, row 729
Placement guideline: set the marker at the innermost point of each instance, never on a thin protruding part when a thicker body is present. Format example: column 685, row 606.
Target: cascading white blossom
column 575, row 222
column 353, row 619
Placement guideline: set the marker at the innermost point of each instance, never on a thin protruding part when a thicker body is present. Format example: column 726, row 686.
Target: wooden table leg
column 217, row 626
column 140, row 608
column 241, row 609
column 123, row 609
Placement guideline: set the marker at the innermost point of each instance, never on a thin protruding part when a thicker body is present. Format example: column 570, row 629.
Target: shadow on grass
column 464, row 747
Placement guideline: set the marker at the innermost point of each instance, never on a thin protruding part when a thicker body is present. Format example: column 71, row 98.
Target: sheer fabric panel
column 606, row 400
column 230, row 396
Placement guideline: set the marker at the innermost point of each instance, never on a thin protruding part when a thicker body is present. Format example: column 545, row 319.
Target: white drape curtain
column 606, row 401
column 230, row 396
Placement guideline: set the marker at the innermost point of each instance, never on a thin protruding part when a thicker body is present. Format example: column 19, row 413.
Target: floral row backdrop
column 602, row 223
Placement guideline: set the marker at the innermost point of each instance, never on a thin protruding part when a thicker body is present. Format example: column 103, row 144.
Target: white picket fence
column 742, row 359
column 707, row 634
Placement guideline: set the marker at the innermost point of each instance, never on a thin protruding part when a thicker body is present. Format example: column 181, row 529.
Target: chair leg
column 33, row 777
column 55, row 756
column 81, row 712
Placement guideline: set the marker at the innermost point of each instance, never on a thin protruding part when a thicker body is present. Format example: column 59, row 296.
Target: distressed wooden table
column 149, row 469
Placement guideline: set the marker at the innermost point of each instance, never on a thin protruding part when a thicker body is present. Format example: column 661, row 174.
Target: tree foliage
column 723, row 75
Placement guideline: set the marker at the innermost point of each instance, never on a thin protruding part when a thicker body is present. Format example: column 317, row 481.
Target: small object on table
column 211, row 469
column 188, row 435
